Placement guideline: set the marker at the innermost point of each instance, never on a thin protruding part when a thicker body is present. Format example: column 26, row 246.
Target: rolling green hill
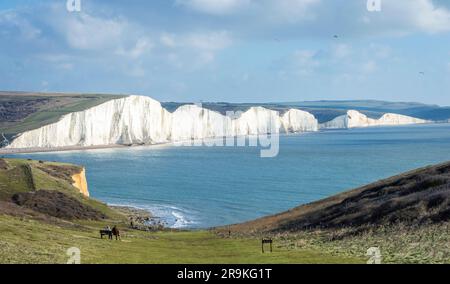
column 32, row 232
column 20, row 111
column 406, row 216
column 417, row 198
column 45, row 187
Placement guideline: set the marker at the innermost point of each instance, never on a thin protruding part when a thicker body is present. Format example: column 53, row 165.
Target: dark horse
column 115, row 231
column 106, row 233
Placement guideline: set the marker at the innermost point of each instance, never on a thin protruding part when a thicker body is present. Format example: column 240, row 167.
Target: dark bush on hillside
column 3, row 165
column 57, row 204
column 415, row 199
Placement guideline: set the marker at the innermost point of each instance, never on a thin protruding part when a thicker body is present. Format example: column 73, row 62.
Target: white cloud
column 142, row 46
column 215, row 7
column 57, row 60
column 304, row 56
column 174, row 60
column 341, row 50
column 65, row 66
column 379, row 51
column 369, row 67
column 137, row 71
column 168, row 40
column 305, row 61
column 291, row 11
column 179, row 87
column 11, row 22
column 95, row 36
column 87, row 32
column 428, row 17
column 407, row 16
column 205, row 58
column 201, row 41
column 275, row 11
column 209, row 41
column 108, row 35
column 398, row 17
column 200, row 46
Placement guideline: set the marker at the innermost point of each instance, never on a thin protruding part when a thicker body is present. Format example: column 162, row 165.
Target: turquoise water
column 197, row 187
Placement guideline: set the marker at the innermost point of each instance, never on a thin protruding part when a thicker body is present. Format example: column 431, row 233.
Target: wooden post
column 266, row 241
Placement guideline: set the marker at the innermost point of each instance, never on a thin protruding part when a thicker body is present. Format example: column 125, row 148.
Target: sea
column 203, row 187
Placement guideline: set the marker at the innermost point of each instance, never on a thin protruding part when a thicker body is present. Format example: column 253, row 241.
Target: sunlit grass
column 28, row 241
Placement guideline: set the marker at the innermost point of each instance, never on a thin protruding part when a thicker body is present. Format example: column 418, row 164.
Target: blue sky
column 229, row 50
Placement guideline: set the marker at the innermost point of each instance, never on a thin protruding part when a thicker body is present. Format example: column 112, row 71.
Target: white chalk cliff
column 142, row 120
column 296, row 120
column 131, row 120
column 355, row 119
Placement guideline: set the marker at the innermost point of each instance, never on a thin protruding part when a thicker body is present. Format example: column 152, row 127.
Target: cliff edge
column 140, row 120
column 356, row 119
column 80, row 182
column 49, row 189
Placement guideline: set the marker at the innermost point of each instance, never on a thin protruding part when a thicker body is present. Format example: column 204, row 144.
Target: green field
column 17, row 179
column 42, row 215
column 29, row 241
column 31, row 235
column 43, row 109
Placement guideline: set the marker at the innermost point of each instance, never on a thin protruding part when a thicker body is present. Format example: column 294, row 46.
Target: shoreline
column 140, row 219
column 149, row 219
column 131, row 211
column 8, row 151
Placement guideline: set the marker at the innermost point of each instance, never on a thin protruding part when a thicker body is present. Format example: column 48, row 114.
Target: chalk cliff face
column 132, row 120
column 257, row 120
column 355, row 119
column 142, row 120
column 299, row 121
column 80, row 182
column 193, row 122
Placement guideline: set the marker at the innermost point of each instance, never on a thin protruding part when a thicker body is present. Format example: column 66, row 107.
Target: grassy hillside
column 25, row 181
column 419, row 197
column 32, row 241
column 42, row 215
column 407, row 216
column 20, row 112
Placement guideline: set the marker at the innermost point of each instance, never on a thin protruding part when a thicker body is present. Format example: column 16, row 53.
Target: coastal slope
column 42, row 215
column 417, row 198
column 23, row 111
column 47, row 189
